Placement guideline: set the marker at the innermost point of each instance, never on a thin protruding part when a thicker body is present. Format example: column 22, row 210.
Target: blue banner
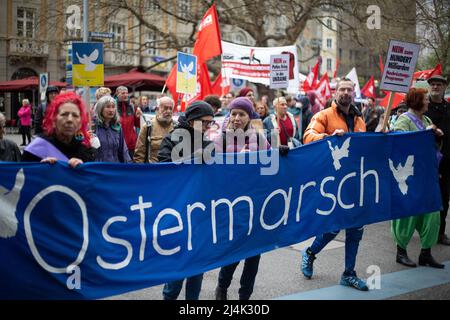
column 104, row 229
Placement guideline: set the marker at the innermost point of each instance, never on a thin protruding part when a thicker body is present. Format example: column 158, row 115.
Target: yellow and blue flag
column 87, row 67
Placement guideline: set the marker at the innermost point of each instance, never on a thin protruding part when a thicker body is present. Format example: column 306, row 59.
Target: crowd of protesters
column 112, row 132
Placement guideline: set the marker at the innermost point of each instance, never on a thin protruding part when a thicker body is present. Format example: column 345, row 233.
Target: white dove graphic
column 8, row 205
column 88, row 61
column 401, row 173
column 187, row 69
column 339, row 153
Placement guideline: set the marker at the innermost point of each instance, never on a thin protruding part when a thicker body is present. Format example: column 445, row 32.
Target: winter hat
column 245, row 104
column 244, row 91
column 198, row 109
column 437, row 78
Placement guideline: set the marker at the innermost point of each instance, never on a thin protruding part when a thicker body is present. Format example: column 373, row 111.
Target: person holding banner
column 439, row 113
column 65, row 135
column 109, row 132
column 340, row 118
column 427, row 225
column 192, row 125
column 241, row 112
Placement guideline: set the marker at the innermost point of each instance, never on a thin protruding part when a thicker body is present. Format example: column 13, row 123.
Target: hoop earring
column 79, row 136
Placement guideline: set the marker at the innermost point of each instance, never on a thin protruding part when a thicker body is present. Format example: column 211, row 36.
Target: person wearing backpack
column 154, row 131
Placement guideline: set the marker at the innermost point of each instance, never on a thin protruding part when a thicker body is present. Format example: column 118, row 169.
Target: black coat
column 73, row 150
column 171, row 140
column 9, row 151
column 439, row 113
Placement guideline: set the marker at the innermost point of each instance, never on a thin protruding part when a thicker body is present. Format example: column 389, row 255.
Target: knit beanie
column 244, row 91
column 198, row 109
column 245, row 104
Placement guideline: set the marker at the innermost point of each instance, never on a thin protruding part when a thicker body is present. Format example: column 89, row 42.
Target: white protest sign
column 399, row 67
column 279, row 71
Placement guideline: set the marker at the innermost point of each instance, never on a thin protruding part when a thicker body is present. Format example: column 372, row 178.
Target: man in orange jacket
column 340, row 118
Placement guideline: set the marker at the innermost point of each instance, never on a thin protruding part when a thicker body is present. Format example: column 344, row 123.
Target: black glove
column 284, row 150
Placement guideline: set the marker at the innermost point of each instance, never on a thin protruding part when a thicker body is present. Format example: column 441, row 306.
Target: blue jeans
column 352, row 238
column 247, row 278
column 193, row 286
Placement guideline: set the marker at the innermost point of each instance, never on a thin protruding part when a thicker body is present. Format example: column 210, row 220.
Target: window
column 118, row 30
column 151, row 44
column 183, row 7
column 329, row 64
column 340, row 53
column 329, row 24
column 25, row 22
column 329, row 43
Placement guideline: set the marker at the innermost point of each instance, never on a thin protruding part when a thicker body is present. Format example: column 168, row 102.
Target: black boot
column 402, row 258
column 221, row 293
column 426, row 259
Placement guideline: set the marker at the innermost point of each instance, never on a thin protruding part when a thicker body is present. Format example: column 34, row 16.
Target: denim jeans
column 193, row 286
column 352, row 238
column 247, row 278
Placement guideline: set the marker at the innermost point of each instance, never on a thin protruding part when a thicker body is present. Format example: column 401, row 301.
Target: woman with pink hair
column 65, row 136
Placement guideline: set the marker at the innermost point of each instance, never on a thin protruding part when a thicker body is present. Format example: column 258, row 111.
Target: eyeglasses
column 208, row 123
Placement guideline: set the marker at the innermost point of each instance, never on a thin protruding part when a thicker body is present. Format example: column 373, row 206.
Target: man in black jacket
column 193, row 124
column 439, row 112
column 51, row 93
column 180, row 145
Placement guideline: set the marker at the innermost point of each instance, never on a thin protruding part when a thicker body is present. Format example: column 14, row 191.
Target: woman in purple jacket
column 109, row 132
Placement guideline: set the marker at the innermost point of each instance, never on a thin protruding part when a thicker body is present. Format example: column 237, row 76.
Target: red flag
column 337, row 68
column 208, row 43
column 381, row 64
column 398, row 98
column 425, row 74
column 369, row 89
column 311, row 78
column 323, row 90
column 220, row 87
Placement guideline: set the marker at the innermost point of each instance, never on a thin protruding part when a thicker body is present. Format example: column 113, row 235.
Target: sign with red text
column 279, row 71
column 399, row 67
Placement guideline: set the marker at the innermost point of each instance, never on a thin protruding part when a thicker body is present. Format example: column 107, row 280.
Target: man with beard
column 152, row 134
column 340, row 118
column 439, row 113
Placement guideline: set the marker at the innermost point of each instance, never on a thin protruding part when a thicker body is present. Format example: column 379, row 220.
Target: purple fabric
column 419, row 124
column 42, row 148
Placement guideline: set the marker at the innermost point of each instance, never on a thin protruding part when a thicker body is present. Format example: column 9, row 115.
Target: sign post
column 86, row 39
column 399, row 70
column 43, row 84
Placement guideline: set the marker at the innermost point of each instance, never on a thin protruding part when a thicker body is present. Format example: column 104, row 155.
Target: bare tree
column 433, row 19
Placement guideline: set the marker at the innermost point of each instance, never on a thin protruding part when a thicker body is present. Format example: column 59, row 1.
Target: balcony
column 115, row 57
column 28, row 47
